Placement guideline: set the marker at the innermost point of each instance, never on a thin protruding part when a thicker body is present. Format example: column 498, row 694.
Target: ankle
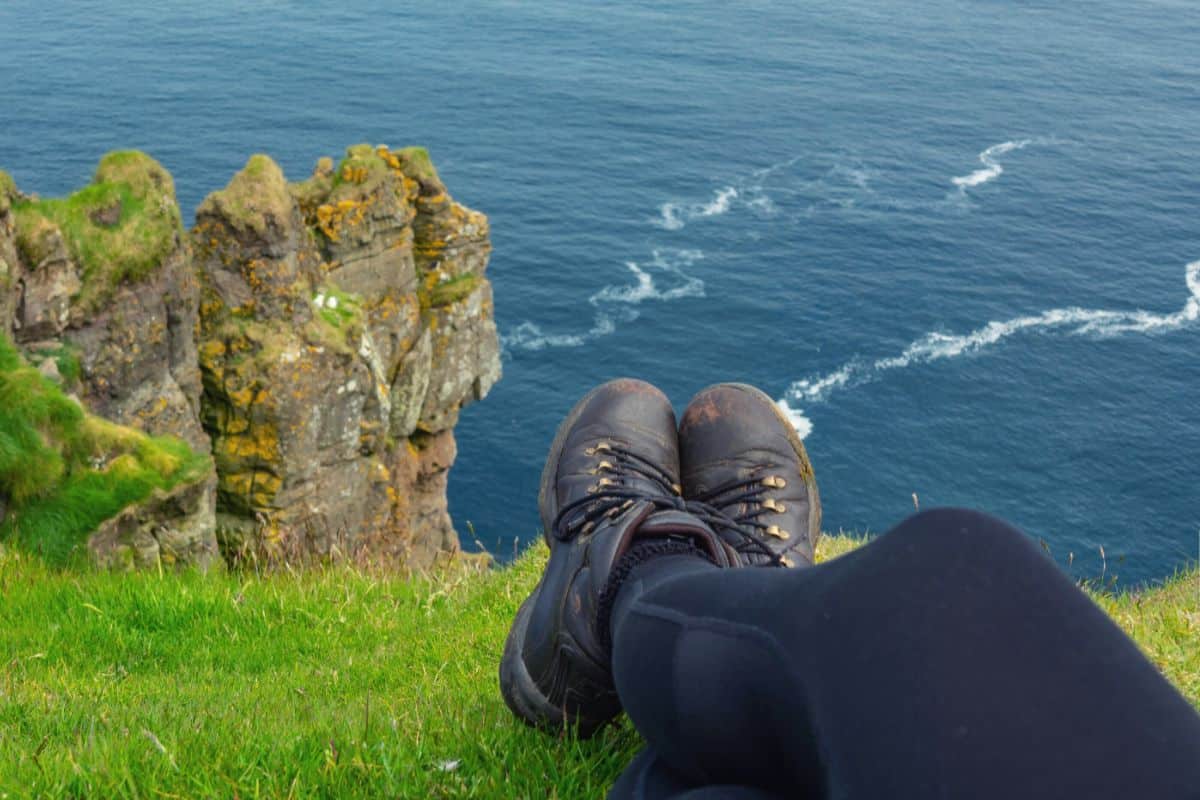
column 647, row 564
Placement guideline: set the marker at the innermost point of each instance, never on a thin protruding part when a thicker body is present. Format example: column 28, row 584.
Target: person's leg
column 648, row 778
column 948, row 658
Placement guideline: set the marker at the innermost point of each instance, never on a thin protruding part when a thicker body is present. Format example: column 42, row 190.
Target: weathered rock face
column 99, row 293
column 319, row 338
column 175, row 527
column 10, row 272
column 345, row 320
column 103, row 281
column 73, row 482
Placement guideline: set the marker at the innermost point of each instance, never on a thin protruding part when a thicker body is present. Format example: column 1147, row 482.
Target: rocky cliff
column 345, row 320
column 319, row 337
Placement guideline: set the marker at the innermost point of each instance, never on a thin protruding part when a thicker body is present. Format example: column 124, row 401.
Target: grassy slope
column 64, row 471
column 320, row 684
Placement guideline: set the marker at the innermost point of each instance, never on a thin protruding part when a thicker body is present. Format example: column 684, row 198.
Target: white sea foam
column 935, row 346
column 673, row 216
column 613, row 303
column 991, row 167
column 666, row 263
column 800, row 422
column 530, row 336
column 747, row 192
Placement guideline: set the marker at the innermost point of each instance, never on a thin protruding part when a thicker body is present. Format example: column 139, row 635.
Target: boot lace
column 612, row 495
column 750, row 534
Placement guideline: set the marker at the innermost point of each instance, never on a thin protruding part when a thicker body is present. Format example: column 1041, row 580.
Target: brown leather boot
column 741, row 458
column 611, row 479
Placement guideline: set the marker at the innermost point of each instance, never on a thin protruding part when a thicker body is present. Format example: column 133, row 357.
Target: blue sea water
column 953, row 237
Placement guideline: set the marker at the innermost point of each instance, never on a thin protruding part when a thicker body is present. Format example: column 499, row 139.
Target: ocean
column 960, row 241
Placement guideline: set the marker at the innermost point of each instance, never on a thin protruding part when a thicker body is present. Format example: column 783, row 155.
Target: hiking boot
column 742, row 460
column 611, row 478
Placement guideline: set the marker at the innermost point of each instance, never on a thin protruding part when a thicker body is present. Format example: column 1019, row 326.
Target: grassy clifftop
column 119, row 227
column 328, row 683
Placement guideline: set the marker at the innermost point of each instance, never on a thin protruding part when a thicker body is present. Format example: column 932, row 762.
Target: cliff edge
column 318, row 338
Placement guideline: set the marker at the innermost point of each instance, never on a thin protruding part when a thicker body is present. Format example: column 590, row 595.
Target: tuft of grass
column 64, row 471
column 256, row 200
column 119, row 228
column 8, row 190
column 66, row 358
column 453, row 290
column 416, row 163
column 362, row 164
column 323, row 683
column 345, row 311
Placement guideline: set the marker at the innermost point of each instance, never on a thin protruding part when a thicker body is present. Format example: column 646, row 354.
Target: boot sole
column 517, row 686
column 527, row 701
column 814, row 504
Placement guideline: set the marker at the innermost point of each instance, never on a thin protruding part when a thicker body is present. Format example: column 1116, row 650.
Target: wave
column 935, row 346
column 530, row 336
column 645, row 287
column 613, row 302
column 991, row 167
column 748, row 192
column 673, row 216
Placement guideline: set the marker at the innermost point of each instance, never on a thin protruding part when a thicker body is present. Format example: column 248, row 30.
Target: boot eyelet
column 778, row 532
column 787, row 562
column 774, row 505
column 774, row 482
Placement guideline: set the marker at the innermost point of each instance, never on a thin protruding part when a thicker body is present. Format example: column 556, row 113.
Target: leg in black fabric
column 648, row 778
column 947, row 658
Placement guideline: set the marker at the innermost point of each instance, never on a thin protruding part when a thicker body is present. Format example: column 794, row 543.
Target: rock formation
column 69, row 479
column 320, row 336
column 104, row 284
column 98, row 291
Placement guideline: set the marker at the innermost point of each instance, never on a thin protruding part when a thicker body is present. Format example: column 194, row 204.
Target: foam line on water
column 991, row 167
column 616, row 303
column 936, row 346
column 747, row 192
column 665, row 263
column 530, row 336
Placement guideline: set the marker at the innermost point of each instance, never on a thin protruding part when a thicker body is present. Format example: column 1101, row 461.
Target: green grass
column 453, row 290
column 416, row 163
column 327, row 683
column 64, row 471
column 144, row 232
column 8, row 190
column 346, row 312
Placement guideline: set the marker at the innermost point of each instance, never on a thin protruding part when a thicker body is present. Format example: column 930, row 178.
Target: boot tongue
column 642, row 522
column 680, row 524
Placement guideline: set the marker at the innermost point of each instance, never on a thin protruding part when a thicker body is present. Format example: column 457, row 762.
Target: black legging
column 949, row 658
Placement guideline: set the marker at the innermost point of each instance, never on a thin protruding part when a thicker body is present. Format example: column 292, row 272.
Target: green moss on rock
column 362, row 166
column 8, row 191
column 255, row 199
column 65, row 471
column 453, row 290
column 118, row 228
column 38, row 238
column 415, row 163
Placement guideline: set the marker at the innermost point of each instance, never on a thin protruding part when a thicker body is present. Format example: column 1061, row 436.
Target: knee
column 950, row 529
